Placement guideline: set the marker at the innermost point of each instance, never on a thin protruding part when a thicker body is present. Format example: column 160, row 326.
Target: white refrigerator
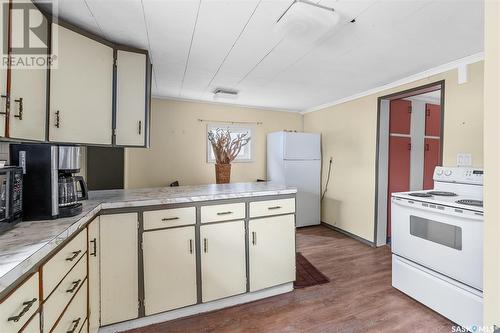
column 294, row 159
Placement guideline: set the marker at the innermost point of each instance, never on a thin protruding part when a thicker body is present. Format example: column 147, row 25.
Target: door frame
column 381, row 154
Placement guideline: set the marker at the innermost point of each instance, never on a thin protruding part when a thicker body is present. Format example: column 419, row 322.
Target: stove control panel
column 472, row 176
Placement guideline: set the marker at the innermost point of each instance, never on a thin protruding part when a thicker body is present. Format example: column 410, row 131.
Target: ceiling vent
column 225, row 93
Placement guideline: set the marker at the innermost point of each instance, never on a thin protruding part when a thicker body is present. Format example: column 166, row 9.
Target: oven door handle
column 450, row 210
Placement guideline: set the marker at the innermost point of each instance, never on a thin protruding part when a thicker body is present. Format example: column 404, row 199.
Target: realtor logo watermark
column 28, row 36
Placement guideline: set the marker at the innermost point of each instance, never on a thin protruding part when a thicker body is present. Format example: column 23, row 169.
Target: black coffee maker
column 51, row 190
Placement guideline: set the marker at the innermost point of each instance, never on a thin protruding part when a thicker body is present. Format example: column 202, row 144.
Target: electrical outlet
column 464, row 160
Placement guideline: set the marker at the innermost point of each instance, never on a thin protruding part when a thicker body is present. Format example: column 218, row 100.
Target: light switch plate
column 464, row 160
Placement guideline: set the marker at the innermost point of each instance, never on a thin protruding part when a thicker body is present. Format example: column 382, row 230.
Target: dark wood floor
column 359, row 297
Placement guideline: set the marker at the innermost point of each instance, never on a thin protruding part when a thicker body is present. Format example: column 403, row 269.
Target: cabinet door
column 3, row 72
column 131, row 98
column 119, row 268
column 271, row 251
column 93, row 275
column 81, row 85
column 400, row 116
column 432, row 158
column 432, row 120
column 223, row 266
column 165, row 252
column 28, row 93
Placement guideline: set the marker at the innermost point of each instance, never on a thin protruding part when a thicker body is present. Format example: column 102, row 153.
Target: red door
column 432, row 158
column 400, row 116
column 432, row 120
column 399, row 170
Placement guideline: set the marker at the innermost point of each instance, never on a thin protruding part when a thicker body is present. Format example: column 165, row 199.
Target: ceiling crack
column 190, row 46
column 149, row 43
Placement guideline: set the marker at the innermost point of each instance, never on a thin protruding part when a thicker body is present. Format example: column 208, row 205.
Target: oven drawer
column 19, row 306
column 54, row 270
column 215, row 213
column 55, row 304
column 272, row 207
column 166, row 218
column 457, row 302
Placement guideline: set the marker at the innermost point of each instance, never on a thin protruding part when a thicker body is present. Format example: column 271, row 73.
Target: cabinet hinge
column 409, row 146
column 409, row 109
column 114, row 131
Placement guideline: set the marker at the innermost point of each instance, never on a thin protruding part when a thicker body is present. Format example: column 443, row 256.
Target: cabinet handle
column 58, row 119
column 26, row 306
column 76, row 323
column 254, row 238
column 165, row 219
column 274, row 207
column 191, row 246
column 20, row 113
column 205, row 245
column 75, row 254
column 224, row 213
column 75, row 285
column 4, row 96
column 94, row 247
column 140, row 127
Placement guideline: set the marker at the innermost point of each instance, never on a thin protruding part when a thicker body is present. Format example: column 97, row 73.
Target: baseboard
column 198, row 308
column 347, row 233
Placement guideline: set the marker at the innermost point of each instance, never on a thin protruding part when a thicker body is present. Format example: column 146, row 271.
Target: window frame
column 237, row 128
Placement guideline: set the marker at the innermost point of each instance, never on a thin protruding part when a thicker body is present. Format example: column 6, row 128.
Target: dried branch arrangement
column 226, row 148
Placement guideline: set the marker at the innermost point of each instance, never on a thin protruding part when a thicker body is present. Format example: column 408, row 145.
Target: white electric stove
column 437, row 244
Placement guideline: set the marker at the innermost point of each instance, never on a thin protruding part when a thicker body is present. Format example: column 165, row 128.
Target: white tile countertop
column 24, row 246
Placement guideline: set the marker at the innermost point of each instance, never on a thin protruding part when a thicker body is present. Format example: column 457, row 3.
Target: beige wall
column 178, row 143
column 492, row 165
column 349, row 133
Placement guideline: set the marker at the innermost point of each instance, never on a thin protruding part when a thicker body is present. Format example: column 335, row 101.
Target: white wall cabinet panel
column 81, row 89
column 223, row 264
column 93, row 275
column 169, row 269
column 119, row 267
column 271, row 251
column 28, row 87
column 131, row 98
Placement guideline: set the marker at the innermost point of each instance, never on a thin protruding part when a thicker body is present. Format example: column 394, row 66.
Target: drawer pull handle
column 26, row 306
column 94, row 247
column 20, row 113
column 75, row 254
column 254, row 238
column 165, row 219
column 191, row 246
column 274, row 207
column 75, row 323
column 224, row 213
column 75, row 285
column 205, row 245
column 58, row 119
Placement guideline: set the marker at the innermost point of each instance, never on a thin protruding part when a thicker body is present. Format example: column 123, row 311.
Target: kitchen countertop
column 24, row 246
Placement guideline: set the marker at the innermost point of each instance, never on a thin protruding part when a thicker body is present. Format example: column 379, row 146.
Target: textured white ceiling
column 307, row 59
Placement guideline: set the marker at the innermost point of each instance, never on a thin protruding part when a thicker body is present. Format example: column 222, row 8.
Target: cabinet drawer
column 272, row 207
column 55, row 304
column 34, row 325
column 166, row 218
column 75, row 315
column 18, row 308
column 225, row 212
column 56, row 268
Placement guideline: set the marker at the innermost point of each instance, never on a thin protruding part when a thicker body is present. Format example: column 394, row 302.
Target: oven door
column 441, row 238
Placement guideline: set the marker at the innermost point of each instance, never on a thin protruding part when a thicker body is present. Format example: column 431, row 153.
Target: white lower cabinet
column 93, row 276
column 33, row 325
column 271, row 251
column 75, row 314
column 223, row 260
column 169, row 269
column 119, row 267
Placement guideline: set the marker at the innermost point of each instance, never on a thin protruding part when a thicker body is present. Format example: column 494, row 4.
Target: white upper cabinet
column 28, row 92
column 81, row 86
column 132, row 100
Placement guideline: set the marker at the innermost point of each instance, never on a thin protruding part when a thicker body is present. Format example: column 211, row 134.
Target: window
column 245, row 154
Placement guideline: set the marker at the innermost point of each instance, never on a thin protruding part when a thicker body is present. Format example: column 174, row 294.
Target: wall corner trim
column 477, row 57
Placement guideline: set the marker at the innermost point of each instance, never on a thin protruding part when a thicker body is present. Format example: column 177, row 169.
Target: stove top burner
column 477, row 203
column 420, row 195
column 442, row 193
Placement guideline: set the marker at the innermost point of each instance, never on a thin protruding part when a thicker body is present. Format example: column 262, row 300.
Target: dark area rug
column 307, row 275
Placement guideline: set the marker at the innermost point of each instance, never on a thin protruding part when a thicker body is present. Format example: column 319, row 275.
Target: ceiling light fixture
column 307, row 2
